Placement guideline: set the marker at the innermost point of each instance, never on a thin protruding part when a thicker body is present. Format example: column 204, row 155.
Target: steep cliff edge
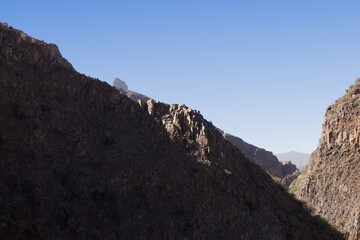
column 263, row 158
column 79, row 160
column 331, row 182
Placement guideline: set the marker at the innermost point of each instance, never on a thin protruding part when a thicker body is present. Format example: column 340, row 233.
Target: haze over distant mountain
column 298, row 158
column 123, row 88
column 331, row 182
column 79, row 160
column 119, row 84
column 263, row 158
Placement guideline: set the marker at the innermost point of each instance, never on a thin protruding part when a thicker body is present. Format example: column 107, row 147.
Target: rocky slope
column 298, row 158
column 263, row 158
column 79, row 160
column 260, row 156
column 331, row 182
column 287, row 180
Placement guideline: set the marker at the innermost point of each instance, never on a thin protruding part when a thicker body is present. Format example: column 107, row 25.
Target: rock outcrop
column 331, row 183
column 263, row 158
column 287, row 168
column 123, row 88
column 79, row 160
column 119, row 84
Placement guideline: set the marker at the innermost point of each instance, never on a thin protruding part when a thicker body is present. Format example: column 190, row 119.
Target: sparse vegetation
column 72, row 225
column 276, row 179
column 2, row 142
column 3, row 223
column 353, row 89
column 187, row 139
column 18, row 110
column 69, row 181
column 108, row 138
column 295, row 185
column 45, row 107
column 93, row 234
column 355, row 103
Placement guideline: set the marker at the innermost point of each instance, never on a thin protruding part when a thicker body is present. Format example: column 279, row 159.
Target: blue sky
column 261, row 70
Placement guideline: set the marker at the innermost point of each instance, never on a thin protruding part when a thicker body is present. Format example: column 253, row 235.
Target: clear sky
column 261, row 70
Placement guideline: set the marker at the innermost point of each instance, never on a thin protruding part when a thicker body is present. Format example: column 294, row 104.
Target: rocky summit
column 263, row 158
column 331, row 182
column 123, row 88
column 79, row 160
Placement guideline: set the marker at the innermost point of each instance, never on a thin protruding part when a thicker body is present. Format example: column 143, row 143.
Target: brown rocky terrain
column 79, row 160
column 263, row 158
column 331, row 182
column 287, row 180
column 287, row 168
column 260, row 156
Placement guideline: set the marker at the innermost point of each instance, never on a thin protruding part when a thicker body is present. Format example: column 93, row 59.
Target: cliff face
column 79, row 160
column 287, row 168
column 263, row 158
column 331, row 184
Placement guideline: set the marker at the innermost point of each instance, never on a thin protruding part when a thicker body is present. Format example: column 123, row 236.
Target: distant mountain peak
column 262, row 157
column 122, row 87
column 298, row 158
column 119, row 84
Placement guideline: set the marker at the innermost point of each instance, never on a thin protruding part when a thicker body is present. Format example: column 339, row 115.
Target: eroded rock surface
column 79, row 160
column 287, row 180
column 331, row 184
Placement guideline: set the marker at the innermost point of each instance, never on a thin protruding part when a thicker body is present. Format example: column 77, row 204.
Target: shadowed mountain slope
column 260, row 156
column 263, row 158
column 79, row 160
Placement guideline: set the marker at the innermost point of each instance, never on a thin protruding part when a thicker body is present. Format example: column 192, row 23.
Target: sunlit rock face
column 331, row 184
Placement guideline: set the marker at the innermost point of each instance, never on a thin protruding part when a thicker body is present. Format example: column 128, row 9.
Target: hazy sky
column 261, row 70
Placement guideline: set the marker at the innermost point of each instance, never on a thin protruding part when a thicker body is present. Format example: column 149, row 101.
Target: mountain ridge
column 266, row 159
column 79, row 160
column 260, row 156
column 330, row 183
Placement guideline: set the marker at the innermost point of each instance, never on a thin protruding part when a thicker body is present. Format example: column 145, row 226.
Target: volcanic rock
column 79, row 160
column 331, row 183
